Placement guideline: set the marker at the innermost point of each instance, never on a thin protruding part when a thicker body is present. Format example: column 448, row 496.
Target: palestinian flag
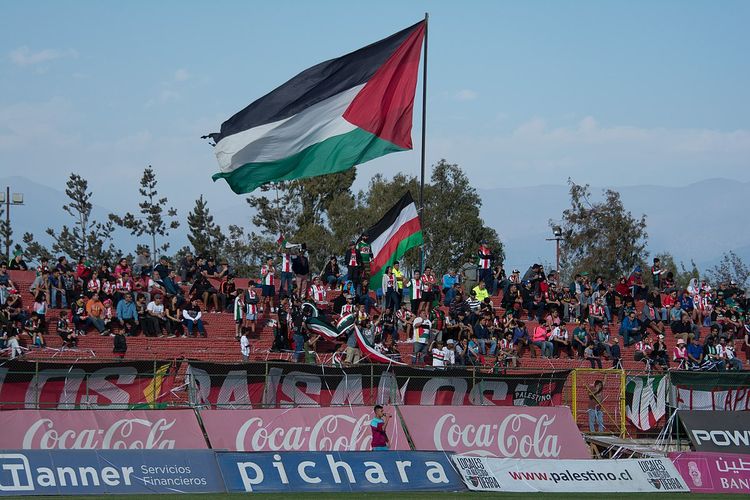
column 369, row 352
column 394, row 234
column 329, row 118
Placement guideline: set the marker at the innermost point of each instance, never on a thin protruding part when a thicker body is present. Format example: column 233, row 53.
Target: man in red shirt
column 378, row 427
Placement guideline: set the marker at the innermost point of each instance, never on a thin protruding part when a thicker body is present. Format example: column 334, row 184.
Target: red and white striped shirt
column 348, row 309
column 94, row 286
column 286, row 263
column 353, row 257
column 267, row 275
column 416, row 289
column 251, row 308
column 318, row 293
column 484, row 257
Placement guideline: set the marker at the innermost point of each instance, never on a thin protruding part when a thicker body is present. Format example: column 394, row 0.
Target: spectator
column 173, row 315
column 591, row 356
column 245, row 346
column 659, row 354
column 353, row 264
column 630, row 329
column 188, row 269
column 156, row 318
column 123, row 267
column 10, row 336
column 79, row 315
column 95, row 313
column 421, row 326
column 108, row 314
column 268, row 279
column 730, row 356
column 540, row 338
column 127, row 315
column 34, row 328
column 438, row 353
column 191, row 317
column 615, row 354
column 204, row 291
column 318, row 293
column 679, row 354
column 67, row 334
column 143, row 263
column 17, row 263
column 561, row 342
column 596, row 397
column 120, row 345
column 694, row 352
column 390, row 289
column 580, row 338
column 301, row 268
column 40, row 284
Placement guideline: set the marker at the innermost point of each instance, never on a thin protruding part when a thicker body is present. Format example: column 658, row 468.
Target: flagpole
column 424, row 127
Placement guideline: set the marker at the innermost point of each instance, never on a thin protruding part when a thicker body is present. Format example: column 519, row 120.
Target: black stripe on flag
column 389, row 218
column 314, row 85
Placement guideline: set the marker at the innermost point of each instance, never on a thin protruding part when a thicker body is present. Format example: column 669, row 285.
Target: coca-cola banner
column 66, row 386
column 297, row 429
column 496, row 432
column 281, row 385
column 100, row 430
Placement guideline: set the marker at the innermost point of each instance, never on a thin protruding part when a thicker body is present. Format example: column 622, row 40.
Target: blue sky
column 520, row 93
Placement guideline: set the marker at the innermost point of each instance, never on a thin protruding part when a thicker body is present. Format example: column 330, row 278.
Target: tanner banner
column 653, row 475
column 297, row 429
column 100, row 430
column 66, row 386
column 727, row 391
column 496, row 432
column 714, row 472
column 282, row 385
column 719, row 431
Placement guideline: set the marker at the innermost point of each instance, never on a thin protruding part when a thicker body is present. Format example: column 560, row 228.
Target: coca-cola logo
column 126, row 433
column 337, row 432
column 517, row 435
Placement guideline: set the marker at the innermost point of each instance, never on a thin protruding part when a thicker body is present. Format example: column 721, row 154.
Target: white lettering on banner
column 498, row 389
column 721, row 437
column 72, row 380
column 234, row 393
column 98, row 385
column 341, row 471
column 42, row 435
column 330, row 433
column 508, row 436
column 290, row 388
column 728, row 400
column 430, row 390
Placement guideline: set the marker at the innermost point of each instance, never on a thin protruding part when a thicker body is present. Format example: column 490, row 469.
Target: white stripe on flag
column 284, row 138
column 408, row 213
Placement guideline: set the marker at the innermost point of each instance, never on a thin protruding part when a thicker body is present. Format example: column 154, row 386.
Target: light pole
column 17, row 199
column 557, row 232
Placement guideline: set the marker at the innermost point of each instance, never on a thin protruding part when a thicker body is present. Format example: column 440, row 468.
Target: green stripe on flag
column 332, row 155
column 412, row 241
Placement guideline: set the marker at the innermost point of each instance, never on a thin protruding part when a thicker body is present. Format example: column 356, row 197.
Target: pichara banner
column 298, row 472
column 653, row 475
column 281, row 385
column 340, row 428
column 99, row 472
column 67, row 386
column 496, row 432
column 100, row 430
column 722, row 391
column 718, row 431
column 714, row 472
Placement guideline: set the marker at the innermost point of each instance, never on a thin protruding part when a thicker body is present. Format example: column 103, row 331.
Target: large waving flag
column 369, row 351
column 329, row 118
column 394, row 234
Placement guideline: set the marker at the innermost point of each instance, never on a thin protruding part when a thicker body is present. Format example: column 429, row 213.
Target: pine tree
column 205, row 236
column 155, row 219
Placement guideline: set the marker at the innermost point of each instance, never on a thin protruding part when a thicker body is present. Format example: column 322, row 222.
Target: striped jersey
column 252, row 304
column 286, row 263
column 238, row 307
column 416, row 289
column 267, row 275
column 485, row 257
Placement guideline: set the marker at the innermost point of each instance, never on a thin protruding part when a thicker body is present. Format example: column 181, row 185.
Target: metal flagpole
column 424, row 127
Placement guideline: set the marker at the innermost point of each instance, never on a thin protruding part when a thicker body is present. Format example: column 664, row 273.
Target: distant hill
column 699, row 221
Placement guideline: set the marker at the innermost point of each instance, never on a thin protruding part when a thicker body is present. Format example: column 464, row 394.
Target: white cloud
column 181, row 75
column 466, row 95
column 24, row 56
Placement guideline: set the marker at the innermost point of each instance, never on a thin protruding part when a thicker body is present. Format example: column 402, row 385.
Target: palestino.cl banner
column 520, row 432
column 653, row 475
column 342, row 428
column 100, row 430
column 281, row 385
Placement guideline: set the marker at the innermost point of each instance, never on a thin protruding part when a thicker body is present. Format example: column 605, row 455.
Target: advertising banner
column 724, row 391
column 65, row 386
column 281, row 385
column 719, row 431
column 297, row 429
column 100, row 430
column 714, row 472
column 646, row 400
column 298, row 472
column 651, row 475
column 98, row 472
column 496, row 432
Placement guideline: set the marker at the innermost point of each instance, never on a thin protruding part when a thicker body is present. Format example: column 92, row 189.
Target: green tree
column 86, row 237
column 155, row 219
column 246, row 253
column 205, row 236
column 731, row 267
column 34, row 251
column 601, row 237
column 453, row 226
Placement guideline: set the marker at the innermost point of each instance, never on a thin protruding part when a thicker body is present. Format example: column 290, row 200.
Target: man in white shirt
column 245, row 346
column 156, row 318
column 421, row 327
column 449, row 353
column 438, row 354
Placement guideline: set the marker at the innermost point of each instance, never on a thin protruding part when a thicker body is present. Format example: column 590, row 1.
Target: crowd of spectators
column 495, row 321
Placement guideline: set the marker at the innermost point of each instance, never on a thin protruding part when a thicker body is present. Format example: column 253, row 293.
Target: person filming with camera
column 378, row 426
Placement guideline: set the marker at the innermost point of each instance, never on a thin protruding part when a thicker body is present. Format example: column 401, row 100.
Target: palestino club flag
column 329, row 118
column 369, row 352
column 394, row 234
